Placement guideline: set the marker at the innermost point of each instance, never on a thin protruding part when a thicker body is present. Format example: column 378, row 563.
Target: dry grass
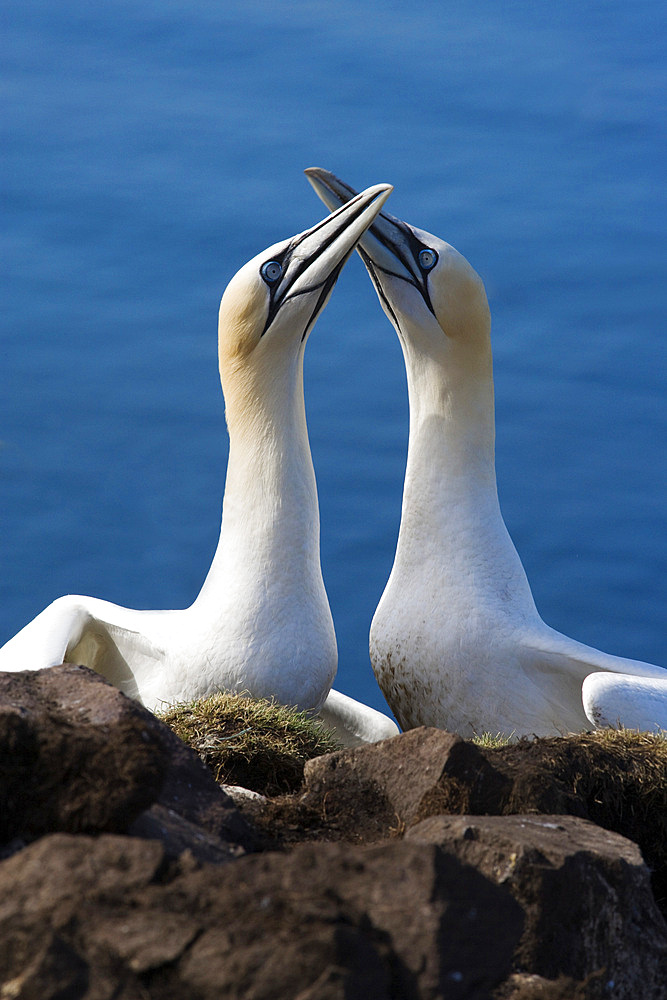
column 616, row 778
column 617, row 772
column 625, row 783
column 250, row 742
column 491, row 741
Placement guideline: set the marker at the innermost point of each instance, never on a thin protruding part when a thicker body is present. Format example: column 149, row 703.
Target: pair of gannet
column 456, row 641
column 261, row 623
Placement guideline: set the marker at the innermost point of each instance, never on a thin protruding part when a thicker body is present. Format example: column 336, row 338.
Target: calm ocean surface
column 149, row 149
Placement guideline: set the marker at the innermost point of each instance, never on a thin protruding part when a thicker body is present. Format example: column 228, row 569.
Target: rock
column 64, row 884
column 336, row 917
column 73, row 755
column 177, row 835
column 93, row 918
column 76, row 755
column 241, row 795
column 377, row 791
column 585, row 893
column 514, row 907
column 389, row 786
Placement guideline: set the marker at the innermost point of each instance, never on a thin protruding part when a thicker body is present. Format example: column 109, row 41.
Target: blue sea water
column 149, row 149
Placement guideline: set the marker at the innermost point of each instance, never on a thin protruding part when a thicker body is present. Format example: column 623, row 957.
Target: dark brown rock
column 391, row 785
column 178, row 834
column 373, row 792
column 585, row 892
column 475, row 906
column 73, row 756
column 76, row 755
column 109, row 916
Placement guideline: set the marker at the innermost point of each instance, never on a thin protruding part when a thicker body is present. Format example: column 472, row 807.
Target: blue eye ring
column 427, row 259
column 271, row 271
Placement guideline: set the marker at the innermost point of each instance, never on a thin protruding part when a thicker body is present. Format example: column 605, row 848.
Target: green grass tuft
column 251, row 742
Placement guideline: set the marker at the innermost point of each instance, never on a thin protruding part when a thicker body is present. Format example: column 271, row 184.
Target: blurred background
column 149, row 149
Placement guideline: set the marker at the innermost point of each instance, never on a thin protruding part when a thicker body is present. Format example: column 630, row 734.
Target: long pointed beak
column 388, row 247
column 387, row 242
column 314, row 259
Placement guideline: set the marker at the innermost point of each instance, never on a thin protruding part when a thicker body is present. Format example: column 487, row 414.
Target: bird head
column 432, row 296
column 270, row 305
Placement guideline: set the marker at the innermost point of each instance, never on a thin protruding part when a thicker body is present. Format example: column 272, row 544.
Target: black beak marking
column 409, row 260
column 281, row 292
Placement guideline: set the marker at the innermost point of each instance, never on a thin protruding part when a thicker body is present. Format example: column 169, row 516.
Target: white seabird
column 456, row 640
column 261, row 623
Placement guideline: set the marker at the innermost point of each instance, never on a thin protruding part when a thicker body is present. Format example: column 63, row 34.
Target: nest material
column 255, row 743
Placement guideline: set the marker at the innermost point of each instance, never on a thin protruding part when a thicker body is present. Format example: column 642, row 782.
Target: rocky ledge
column 127, row 873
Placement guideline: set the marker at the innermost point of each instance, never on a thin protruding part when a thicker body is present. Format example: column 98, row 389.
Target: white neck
column 270, row 518
column 452, row 431
column 451, row 524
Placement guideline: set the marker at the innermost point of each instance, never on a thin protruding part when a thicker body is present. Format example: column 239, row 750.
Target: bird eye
column 271, row 271
column 428, row 259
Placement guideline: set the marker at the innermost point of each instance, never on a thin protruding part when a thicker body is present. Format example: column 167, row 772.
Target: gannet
column 456, row 641
column 261, row 623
